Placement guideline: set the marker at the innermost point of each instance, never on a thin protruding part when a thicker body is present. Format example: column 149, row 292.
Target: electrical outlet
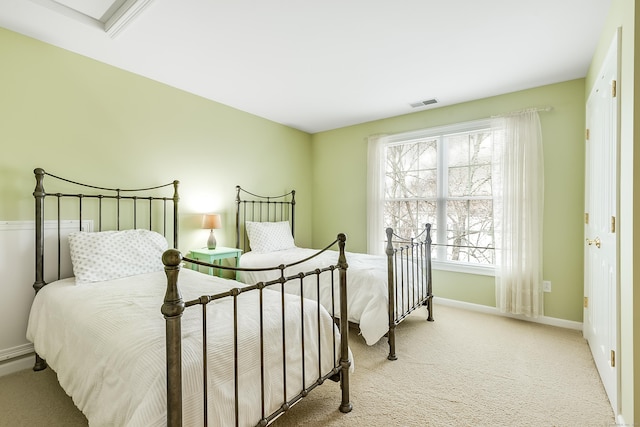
column 546, row 286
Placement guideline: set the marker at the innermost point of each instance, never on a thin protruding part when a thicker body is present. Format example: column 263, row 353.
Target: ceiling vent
column 423, row 103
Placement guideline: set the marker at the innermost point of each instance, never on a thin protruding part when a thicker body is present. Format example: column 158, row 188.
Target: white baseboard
column 18, row 364
column 15, row 352
column 16, row 359
column 553, row 321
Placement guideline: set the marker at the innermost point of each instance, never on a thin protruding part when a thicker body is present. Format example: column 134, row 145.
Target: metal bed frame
column 408, row 259
column 174, row 306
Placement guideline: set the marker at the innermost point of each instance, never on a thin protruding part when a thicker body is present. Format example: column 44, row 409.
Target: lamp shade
column 211, row 221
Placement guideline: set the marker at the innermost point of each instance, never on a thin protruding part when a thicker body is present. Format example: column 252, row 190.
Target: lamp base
column 211, row 243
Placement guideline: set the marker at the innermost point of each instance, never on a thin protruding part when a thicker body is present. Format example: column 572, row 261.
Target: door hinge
column 586, row 302
column 613, row 358
column 586, row 134
column 613, row 88
column 613, row 224
column 586, row 217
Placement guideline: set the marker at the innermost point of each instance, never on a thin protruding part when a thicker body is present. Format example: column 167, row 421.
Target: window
column 442, row 176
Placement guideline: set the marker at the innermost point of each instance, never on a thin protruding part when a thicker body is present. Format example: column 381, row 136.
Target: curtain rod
column 526, row 110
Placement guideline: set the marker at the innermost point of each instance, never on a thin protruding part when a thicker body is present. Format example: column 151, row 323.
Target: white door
column 601, row 225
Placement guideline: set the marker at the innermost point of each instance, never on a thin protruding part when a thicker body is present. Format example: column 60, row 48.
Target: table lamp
column 211, row 221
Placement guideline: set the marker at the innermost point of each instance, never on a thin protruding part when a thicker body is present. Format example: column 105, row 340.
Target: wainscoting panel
column 17, row 264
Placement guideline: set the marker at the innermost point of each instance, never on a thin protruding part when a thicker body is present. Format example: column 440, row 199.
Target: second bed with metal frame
column 409, row 269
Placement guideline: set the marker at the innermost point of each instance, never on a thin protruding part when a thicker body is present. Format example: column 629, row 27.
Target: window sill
column 464, row 268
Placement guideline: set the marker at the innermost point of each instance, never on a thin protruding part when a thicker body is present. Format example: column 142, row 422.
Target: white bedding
column 106, row 342
column 368, row 293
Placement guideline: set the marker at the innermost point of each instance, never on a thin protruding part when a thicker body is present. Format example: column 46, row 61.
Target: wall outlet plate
column 546, row 286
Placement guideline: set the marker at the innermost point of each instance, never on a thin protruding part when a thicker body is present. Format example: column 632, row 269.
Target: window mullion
column 441, row 204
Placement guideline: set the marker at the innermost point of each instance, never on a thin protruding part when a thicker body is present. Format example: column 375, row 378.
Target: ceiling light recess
column 112, row 16
column 124, row 15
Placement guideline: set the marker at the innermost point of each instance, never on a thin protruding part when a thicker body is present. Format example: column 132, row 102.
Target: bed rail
column 409, row 278
column 174, row 308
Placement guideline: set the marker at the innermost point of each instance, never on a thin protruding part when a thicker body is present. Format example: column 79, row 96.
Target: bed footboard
column 409, row 279
column 174, row 308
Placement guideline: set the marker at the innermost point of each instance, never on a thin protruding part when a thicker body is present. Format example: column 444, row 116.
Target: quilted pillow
column 269, row 236
column 108, row 255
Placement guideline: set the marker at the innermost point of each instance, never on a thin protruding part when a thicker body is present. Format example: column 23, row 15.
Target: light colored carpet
column 464, row 369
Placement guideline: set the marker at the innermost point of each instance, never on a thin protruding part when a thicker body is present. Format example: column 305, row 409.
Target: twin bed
column 258, row 351
column 382, row 290
column 136, row 340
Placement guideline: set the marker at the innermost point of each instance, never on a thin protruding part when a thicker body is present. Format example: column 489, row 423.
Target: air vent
column 423, row 103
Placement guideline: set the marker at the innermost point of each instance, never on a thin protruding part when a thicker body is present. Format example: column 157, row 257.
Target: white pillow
column 108, row 255
column 269, row 236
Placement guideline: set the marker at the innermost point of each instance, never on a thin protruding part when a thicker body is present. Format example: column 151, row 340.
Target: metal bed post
column 293, row 211
column 345, row 363
column 429, row 302
column 172, row 310
column 176, row 199
column 392, row 300
column 238, row 217
column 39, row 195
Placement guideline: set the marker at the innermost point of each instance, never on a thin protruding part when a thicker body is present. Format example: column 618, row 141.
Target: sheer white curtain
column 518, row 208
column 375, row 196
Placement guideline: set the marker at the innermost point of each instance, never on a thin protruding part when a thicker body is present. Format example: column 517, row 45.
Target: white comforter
column 106, row 342
column 368, row 292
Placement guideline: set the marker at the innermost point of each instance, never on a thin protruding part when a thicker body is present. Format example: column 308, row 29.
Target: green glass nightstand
column 212, row 255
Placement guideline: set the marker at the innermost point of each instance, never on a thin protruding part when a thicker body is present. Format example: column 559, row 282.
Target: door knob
column 595, row 241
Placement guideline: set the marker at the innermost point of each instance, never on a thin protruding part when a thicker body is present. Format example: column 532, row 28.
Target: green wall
column 82, row 119
column 340, row 183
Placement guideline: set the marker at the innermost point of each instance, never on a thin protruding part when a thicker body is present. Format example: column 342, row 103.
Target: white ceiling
column 324, row 64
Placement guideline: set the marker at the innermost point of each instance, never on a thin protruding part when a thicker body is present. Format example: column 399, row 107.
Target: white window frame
column 407, row 137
